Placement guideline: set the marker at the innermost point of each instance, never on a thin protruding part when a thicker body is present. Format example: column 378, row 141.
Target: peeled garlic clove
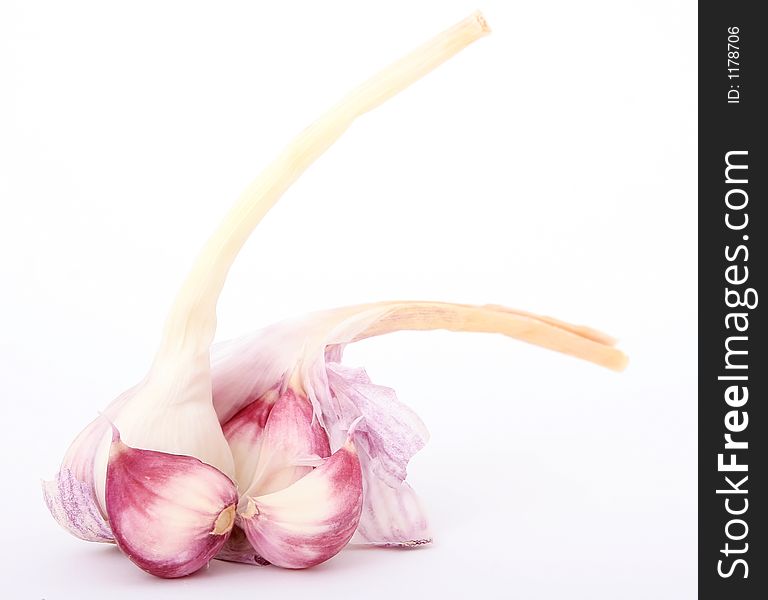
column 170, row 514
column 310, row 521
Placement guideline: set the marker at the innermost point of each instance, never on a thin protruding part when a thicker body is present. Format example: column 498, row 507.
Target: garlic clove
column 293, row 443
column 311, row 520
column 275, row 441
column 170, row 514
column 244, row 433
column 170, row 411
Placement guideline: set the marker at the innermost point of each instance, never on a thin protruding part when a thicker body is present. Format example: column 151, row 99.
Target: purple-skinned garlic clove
column 272, row 452
column 170, row 514
column 311, row 520
column 244, row 433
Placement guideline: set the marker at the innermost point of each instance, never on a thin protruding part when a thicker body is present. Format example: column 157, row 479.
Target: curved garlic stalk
column 170, row 411
column 192, row 322
column 281, row 348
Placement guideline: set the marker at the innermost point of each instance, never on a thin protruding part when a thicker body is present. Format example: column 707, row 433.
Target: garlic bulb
column 267, row 449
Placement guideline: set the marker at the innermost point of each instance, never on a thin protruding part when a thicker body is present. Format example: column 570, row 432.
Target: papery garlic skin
column 72, row 496
column 170, row 514
column 389, row 435
column 73, row 504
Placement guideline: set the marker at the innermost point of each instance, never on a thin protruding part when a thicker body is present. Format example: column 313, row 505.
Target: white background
column 549, row 167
